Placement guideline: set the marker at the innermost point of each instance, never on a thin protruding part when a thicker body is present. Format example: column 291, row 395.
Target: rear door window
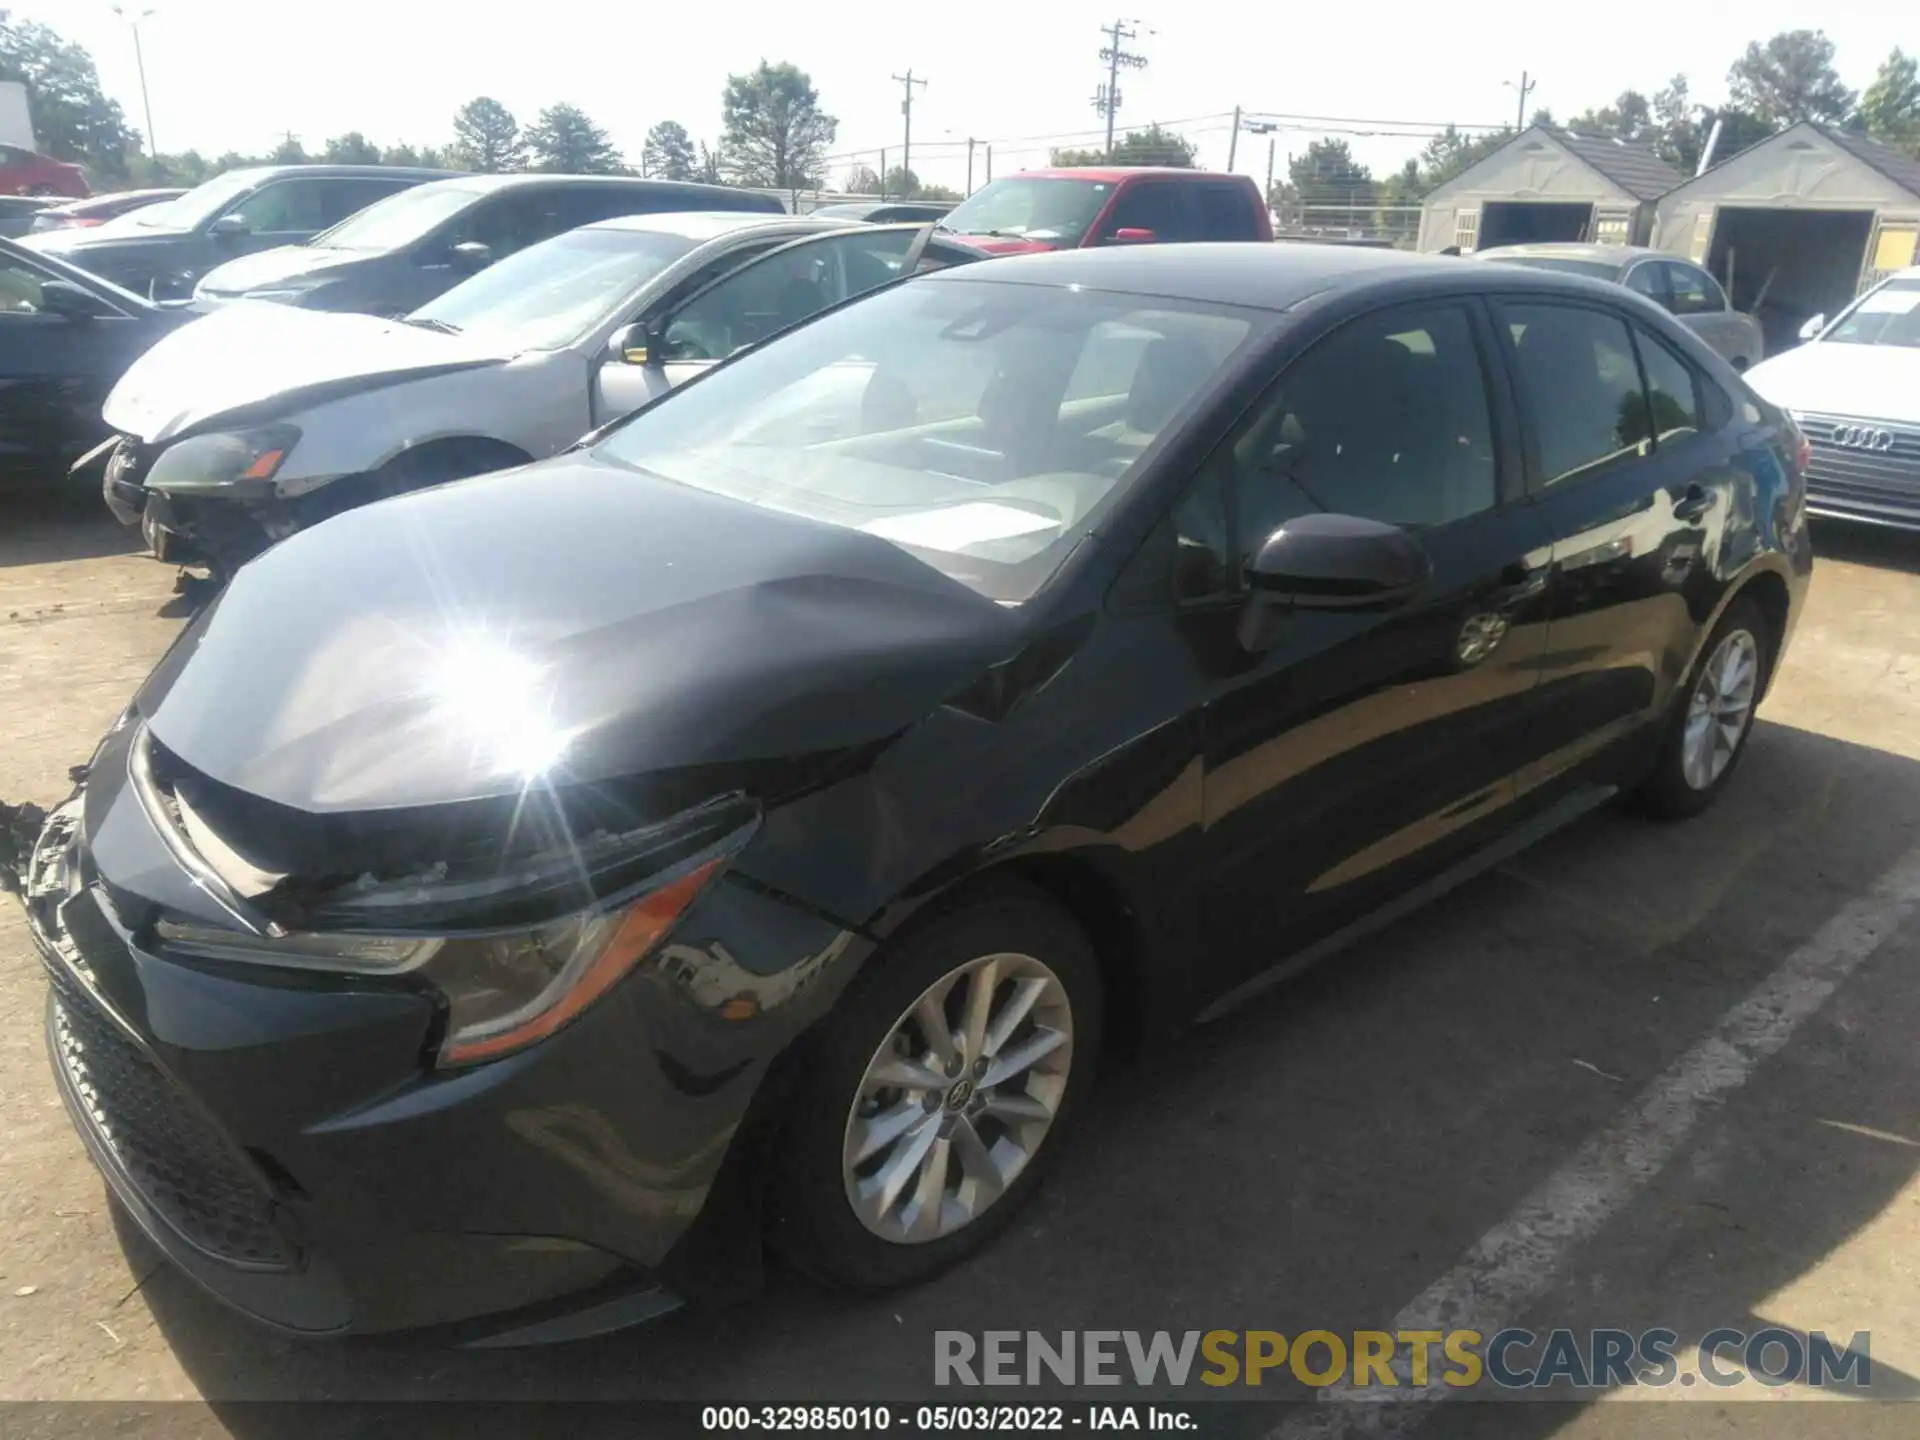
column 1673, row 391
column 1155, row 205
column 1582, row 385
column 1226, row 213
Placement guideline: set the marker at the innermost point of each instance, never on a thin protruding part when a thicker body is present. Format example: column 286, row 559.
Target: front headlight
column 239, row 464
column 507, row 988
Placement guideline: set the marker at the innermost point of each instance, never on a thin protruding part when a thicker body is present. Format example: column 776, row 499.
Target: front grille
column 1862, row 474
column 178, row 1162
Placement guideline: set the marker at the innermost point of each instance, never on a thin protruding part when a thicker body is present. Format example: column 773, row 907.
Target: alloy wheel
column 1719, row 709
column 958, row 1098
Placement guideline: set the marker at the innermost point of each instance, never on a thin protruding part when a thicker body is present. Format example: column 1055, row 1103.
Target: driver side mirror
column 71, row 302
column 229, row 227
column 1329, row 562
column 1811, row 330
column 471, row 255
column 635, row 344
column 1133, row 235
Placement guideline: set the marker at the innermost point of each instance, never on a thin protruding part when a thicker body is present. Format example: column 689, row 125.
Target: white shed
column 1548, row 184
column 1798, row 224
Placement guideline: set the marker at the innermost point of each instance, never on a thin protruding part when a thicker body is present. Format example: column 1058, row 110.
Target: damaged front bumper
column 285, row 1139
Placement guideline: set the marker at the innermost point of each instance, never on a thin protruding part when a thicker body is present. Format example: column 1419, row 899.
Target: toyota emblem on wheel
column 1862, row 437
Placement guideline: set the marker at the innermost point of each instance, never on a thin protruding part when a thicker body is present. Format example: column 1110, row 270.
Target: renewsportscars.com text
column 1510, row 1359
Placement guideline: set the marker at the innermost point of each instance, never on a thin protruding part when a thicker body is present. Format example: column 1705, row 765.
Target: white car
column 1854, row 390
column 259, row 420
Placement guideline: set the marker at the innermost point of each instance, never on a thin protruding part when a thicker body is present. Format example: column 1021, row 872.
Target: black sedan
column 516, row 900
column 65, row 338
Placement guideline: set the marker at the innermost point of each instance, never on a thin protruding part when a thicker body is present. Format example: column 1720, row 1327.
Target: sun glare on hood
column 501, row 701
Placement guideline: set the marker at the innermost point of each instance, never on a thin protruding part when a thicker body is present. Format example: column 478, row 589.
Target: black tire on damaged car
column 1668, row 793
column 811, row 1216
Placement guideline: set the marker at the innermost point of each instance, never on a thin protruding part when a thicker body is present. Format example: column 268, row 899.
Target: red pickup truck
column 1122, row 205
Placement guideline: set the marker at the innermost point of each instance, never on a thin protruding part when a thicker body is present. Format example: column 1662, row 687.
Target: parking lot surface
column 1641, row 1075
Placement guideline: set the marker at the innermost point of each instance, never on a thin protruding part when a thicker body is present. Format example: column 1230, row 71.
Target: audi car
column 1854, row 390
column 513, row 904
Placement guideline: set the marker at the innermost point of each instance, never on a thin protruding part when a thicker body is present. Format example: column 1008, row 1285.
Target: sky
column 238, row 74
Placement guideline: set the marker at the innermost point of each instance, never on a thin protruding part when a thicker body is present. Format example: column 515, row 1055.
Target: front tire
column 939, row 1090
column 1713, row 715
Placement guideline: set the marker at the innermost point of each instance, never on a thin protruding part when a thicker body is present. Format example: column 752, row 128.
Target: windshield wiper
column 427, row 322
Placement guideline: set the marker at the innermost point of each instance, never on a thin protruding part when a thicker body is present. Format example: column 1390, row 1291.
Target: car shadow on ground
column 48, row 523
column 1319, row 1157
column 1876, row 545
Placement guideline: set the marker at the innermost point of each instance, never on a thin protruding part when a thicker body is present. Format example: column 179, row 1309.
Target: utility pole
column 1526, row 87
column 1106, row 99
column 1233, row 145
column 906, row 149
column 1268, row 129
column 140, row 61
column 989, row 162
column 971, row 142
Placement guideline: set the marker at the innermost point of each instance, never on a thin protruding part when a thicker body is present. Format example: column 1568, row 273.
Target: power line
column 1106, row 100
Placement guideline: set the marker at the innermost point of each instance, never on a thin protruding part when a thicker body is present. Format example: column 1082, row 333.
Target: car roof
column 1249, row 273
column 488, row 184
column 1619, row 256
column 700, row 225
column 356, row 172
column 1114, row 173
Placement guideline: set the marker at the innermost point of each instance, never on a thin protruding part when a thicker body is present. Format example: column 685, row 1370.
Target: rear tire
column 1713, row 715
column 883, row 1180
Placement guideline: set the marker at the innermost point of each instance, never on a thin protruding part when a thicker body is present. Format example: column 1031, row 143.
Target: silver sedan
column 1678, row 286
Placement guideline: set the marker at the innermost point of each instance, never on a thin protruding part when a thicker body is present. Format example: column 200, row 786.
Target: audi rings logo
column 1862, row 437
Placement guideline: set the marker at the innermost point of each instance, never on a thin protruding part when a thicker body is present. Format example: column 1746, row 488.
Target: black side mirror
column 229, row 227
column 1329, row 562
column 471, row 255
column 71, row 302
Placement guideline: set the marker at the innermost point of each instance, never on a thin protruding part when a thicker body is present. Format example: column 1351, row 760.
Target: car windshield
column 195, row 208
column 1889, row 315
column 1040, row 209
column 1598, row 269
column 545, row 296
column 982, row 427
column 399, row 220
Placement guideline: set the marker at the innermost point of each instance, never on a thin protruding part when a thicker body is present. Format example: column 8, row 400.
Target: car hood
column 85, row 244
column 251, row 362
column 1873, row 382
column 283, row 262
column 570, row 623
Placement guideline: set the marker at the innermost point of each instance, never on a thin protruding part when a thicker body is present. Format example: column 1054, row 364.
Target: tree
column 863, row 180
column 668, row 152
column 486, row 137
column 1679, row 130
column 72, row 119
column 709, row 170
column 352, row 148
column 425, row 156
column 776, row 135
column 1789, row 79
column 1628, row 118
column 1327, row 174
column 1890, row 108
column 289, row 152
column 1449, row 153
column 1151, row 146
column 564, row 141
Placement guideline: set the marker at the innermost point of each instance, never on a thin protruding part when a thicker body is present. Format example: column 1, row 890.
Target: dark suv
column 396, row 256
column 163, row 250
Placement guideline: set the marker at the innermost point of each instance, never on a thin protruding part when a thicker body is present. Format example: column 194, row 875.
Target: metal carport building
column 1548, row 184
column 1798, row 224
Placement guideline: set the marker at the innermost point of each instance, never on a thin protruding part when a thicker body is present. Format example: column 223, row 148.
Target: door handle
column 1695, row 503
